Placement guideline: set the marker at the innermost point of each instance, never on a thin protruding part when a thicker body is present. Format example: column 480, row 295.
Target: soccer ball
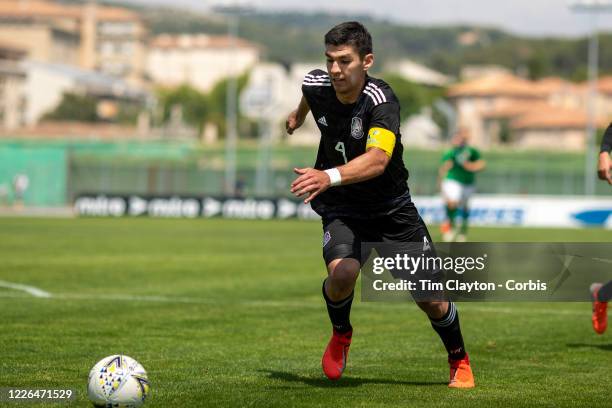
column 118, row 382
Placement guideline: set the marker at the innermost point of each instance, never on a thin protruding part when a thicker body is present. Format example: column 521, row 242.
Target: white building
column 550, row 113
column 45, row 84
column 284, row 89
column 421, row 130
column 418, row 74
column 198, row 60
column 91, row 36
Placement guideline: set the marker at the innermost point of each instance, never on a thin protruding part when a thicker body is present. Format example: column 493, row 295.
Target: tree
column 75, row 107
column 412, row 97
column 200, row 108
column 194, row 104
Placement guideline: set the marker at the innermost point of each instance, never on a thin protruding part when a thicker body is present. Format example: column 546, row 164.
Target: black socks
column 449, row 331
column 339, row 312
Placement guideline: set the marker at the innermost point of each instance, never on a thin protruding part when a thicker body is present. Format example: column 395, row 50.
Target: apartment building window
column 127, row 48
column 116, row 28
column 107, row 48
column 115, row 68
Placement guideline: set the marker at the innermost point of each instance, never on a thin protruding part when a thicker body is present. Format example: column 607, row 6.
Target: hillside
column 444, row 48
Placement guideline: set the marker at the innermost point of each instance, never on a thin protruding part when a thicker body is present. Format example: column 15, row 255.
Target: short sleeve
column 475, row 155
column 386, row 116
column 384, row 127
column 314, row 81
column 448, row 155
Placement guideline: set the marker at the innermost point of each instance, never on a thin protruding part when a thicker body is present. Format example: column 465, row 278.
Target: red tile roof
column 47, row 9
column 495, row 85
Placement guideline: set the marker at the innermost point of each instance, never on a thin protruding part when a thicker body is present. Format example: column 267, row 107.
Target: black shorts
column 402, row 233
column 343, row 237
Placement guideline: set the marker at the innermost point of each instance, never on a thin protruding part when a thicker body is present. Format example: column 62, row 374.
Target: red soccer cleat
column 600, row 311
column 336, row 353
column 461, row 373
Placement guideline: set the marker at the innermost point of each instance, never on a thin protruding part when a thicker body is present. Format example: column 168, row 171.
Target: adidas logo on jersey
column 426, row 246
column 322, row 121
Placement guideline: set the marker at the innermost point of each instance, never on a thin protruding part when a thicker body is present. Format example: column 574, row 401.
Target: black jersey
column 345, row 131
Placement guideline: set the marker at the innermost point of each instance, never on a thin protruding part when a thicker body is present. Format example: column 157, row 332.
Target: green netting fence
column 59, row 171
column 46, row 169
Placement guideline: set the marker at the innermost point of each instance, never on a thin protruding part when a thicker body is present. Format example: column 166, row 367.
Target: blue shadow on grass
column 347, row 381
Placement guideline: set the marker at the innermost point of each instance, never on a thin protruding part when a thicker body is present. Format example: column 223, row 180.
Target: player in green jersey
column 457, row 175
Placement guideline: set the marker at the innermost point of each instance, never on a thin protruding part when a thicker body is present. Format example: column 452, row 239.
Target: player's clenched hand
column 293, row 122
column 603, row 167
column 309, row 181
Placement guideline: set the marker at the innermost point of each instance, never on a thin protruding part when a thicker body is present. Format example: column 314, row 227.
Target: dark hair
column 351, row 33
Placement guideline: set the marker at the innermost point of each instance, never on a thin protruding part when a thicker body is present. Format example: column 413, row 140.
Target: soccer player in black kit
column 359, row 187
column 602, row 293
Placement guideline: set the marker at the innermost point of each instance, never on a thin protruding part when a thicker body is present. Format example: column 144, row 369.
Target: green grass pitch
column 229, row 313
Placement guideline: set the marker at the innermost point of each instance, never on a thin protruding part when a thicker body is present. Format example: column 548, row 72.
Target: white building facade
column 198, row 60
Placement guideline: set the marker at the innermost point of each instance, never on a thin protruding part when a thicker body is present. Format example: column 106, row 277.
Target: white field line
column 141, row 298
column 306, row 304
column 34, row 291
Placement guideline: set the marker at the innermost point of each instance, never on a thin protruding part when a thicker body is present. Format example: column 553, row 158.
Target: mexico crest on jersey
column 356, row 128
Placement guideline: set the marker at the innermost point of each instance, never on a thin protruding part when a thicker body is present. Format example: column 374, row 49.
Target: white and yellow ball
column 119, row 382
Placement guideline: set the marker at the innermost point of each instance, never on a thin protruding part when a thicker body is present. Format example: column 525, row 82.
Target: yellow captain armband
column 381, row 138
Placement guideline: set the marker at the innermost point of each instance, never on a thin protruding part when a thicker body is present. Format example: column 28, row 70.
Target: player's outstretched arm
column 364, row 167
column 603, row 167
column 297, row 117
column 475, row 166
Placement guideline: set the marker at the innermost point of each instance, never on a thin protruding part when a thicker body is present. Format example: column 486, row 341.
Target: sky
column 525, row 17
